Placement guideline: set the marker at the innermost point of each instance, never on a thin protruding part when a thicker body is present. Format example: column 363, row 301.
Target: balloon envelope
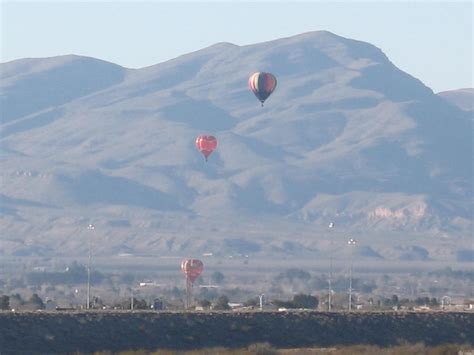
column 206, row 144
column 262, row 85
column 192, row 268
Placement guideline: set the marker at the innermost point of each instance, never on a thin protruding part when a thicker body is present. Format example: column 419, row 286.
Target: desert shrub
column 446, row 349
column 262, row 349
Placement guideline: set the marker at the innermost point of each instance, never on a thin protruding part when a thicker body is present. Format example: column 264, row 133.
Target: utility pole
column 91, row 228
column 351, row 243
column 331, row 226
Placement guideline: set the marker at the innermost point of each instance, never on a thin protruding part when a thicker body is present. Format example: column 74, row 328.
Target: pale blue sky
column 430, row 40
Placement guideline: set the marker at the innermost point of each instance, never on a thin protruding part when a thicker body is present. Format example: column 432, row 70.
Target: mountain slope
column 462, row 98
column 31, row 85
column 346, row 137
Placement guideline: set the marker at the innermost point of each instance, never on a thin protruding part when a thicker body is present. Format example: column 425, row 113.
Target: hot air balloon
column 262, row 85
column 206, row 144
column 191, row 268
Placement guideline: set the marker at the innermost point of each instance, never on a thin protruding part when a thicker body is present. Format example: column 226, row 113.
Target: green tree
column 4, row 302
column 293, row 274
column 283, row 304
column 139, row 304
column 97, row 303
column 434, row 302
column 394, row 300
column 36, row 301
column 299, row 301
column 422, row 301
column 206, row 304
column 217, row 277
column 252, row 302
column 222, row 303
column 305, row 301
column 16, row 301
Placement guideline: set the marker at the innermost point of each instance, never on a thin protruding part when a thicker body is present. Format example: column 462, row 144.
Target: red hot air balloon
column 192, row 268
column 262, row 85
column 206, row 144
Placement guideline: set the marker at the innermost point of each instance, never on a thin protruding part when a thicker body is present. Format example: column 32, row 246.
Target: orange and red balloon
column 192, row 268
column 206, row 144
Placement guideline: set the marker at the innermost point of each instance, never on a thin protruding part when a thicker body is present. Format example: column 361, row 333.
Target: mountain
column 346, row 137
column 462, row 98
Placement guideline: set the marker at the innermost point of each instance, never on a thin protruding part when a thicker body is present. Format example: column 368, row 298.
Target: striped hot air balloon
column 262, row 85
column 206, row 144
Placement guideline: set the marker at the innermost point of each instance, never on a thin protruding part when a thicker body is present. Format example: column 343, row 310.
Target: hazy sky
column 430, row 40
